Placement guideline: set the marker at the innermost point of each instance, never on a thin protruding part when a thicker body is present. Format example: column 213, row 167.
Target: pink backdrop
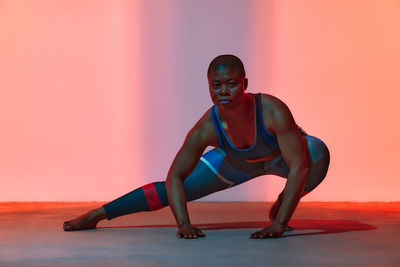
column 96, row 97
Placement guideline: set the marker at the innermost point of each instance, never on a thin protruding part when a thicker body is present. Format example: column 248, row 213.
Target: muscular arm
column 198, row 138
column 293, row 149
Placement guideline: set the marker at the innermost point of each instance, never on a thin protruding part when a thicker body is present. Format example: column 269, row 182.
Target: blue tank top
column 265, row 144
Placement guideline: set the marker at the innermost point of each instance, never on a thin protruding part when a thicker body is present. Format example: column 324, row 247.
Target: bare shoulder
column 275, row 112
column 271, row 103
column 203, row 132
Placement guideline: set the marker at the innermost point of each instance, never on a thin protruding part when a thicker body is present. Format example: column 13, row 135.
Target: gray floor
column 326, row 234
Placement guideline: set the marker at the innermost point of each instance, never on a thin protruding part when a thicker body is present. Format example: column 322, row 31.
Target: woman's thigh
column 215, row 172
column 319, row 162
column 318, row 155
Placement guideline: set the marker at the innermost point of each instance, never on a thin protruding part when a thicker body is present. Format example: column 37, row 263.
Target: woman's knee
column 318, row 150
column 320, row 158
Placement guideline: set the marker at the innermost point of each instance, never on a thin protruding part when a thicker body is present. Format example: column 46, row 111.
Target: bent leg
column 318, row 167
column 319, row 158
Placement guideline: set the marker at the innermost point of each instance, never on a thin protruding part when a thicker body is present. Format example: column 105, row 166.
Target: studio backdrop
column 96, row 96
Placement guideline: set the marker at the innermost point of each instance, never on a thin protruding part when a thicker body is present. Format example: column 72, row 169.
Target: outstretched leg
column 88, row 220
column 204, row 180
column 146, row 198
column 319, row 162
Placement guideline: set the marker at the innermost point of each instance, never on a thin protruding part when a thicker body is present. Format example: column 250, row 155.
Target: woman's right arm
column 196, row 141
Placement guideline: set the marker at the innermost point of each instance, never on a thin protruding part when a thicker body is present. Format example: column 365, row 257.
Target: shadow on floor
column 319, row 226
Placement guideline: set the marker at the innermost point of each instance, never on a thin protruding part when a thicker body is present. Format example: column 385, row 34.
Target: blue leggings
column 214, row 172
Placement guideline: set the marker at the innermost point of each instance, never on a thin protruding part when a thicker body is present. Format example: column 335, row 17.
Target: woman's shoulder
column 274, row 110
column 271, row 104
column 204, row 129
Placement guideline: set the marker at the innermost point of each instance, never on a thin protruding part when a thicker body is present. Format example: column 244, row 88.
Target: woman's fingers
column 267, row 232
column 190, row 233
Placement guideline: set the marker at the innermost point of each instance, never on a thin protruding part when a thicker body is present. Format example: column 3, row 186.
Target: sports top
column 265, row 145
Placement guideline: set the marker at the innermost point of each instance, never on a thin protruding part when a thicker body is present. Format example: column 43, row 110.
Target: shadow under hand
column 305, row 227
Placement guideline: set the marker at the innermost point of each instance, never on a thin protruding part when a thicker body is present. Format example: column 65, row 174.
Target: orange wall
column 69, row 115
column 336, row 64
column 97, row 96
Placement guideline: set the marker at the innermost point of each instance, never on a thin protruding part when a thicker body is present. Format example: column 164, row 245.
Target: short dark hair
column 226, row 60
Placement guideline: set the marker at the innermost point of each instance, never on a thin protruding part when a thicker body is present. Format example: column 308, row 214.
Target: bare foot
column 274, row 211
column 88, row 220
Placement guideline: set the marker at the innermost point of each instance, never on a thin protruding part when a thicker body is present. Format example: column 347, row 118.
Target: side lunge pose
column 253, row 135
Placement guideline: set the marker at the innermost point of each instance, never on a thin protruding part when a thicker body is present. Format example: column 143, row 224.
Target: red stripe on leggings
column 152, row 198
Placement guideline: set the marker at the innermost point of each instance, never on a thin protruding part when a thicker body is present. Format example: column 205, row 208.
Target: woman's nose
column 224, row 89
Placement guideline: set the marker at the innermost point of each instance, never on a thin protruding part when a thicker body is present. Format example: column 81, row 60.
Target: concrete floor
column 325, row 234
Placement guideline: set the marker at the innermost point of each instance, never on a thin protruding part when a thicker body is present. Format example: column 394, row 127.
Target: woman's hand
column 189, row 232
column 274, row 230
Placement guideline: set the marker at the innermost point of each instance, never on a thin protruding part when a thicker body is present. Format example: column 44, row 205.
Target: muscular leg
column 319, row 163
column 207, row 177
